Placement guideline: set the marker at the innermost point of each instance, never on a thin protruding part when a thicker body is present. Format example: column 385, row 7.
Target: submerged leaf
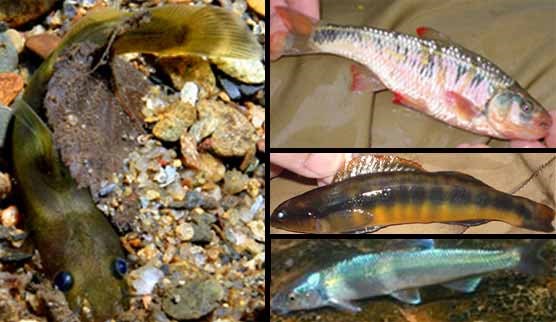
column 91, row 127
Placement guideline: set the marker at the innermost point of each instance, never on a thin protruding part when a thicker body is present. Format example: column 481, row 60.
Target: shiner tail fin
column 296, row 40
column 531, row 262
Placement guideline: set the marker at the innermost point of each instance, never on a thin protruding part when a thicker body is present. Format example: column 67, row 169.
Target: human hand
column 549, row 140
column 278, row 30
column 321, row 166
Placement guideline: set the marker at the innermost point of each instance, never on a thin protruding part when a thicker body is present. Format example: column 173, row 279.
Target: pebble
column 190, row 69
column 143, row 280
column 189, row 93
column 193, row 300
column 203, row 233
column 194, row 199
column 258, row 6
column 234, row 182
column 11, row 85
column 239, row 7
column 174, row 121
column 250, row 90
column 258, row 229
column 43, row 44
column 185, row 231
column 212, row 167
column 203, row 128
column 256, row 114
column 8, row 54
column 17, row 39
column 230, row 87
column 5, row 185
column 234, row 135
column 10, row 217
column 188, row 147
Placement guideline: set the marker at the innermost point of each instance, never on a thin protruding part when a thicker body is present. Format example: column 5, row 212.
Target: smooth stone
column 8, row 54
column 193, row 300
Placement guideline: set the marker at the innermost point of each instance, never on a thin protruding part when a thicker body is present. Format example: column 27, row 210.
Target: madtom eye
column 63, row 281
column 119, row 267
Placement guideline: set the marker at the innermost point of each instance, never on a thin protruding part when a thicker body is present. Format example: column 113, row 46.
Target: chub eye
column 63, row 281
column 292, row 298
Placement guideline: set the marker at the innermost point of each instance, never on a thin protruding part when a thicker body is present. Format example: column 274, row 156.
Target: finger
column 307, row 7
column 526, row 144
column 275, row 170
column 275, row 22
column 311, row 165
column 551, row 138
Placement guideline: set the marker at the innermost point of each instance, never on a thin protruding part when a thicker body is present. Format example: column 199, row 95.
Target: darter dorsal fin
column 366, row 164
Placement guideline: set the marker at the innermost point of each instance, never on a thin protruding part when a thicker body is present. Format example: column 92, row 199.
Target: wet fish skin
column 400, row 274
column 368, row 202
column 434, row 76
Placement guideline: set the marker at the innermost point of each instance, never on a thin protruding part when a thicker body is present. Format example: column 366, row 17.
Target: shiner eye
column 526, row 107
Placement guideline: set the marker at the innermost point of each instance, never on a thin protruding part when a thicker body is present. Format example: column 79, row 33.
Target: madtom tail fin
column 297, row 40
column 530, row 261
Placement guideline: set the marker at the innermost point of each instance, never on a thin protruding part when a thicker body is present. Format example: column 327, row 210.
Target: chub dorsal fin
column 366, row 164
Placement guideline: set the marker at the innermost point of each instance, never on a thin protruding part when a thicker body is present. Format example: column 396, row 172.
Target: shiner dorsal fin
column 369, row 163
column 433, row 34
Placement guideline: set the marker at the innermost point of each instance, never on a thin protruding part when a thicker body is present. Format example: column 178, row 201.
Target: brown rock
column 234, row 182
column 10, row 85
column 5, row 185
column 258, row 6
column 17, row 13
column 190, row 69
column 43, row 44
column 234, row 135
column 175, row 121
column 213, row 168
column 189, row 151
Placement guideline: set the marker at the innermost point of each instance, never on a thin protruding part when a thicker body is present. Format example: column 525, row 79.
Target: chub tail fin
column 530, row 261
column 296, row 40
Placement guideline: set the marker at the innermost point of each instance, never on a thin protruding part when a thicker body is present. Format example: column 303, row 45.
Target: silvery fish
column 430, row 74
column 401, row 273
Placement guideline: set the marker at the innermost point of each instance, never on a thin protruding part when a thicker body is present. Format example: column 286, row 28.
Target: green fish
column 400, row 274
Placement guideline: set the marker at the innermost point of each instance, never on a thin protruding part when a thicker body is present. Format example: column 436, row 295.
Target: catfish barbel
column 400, row 273
column 430, row 74
column 377, row 191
